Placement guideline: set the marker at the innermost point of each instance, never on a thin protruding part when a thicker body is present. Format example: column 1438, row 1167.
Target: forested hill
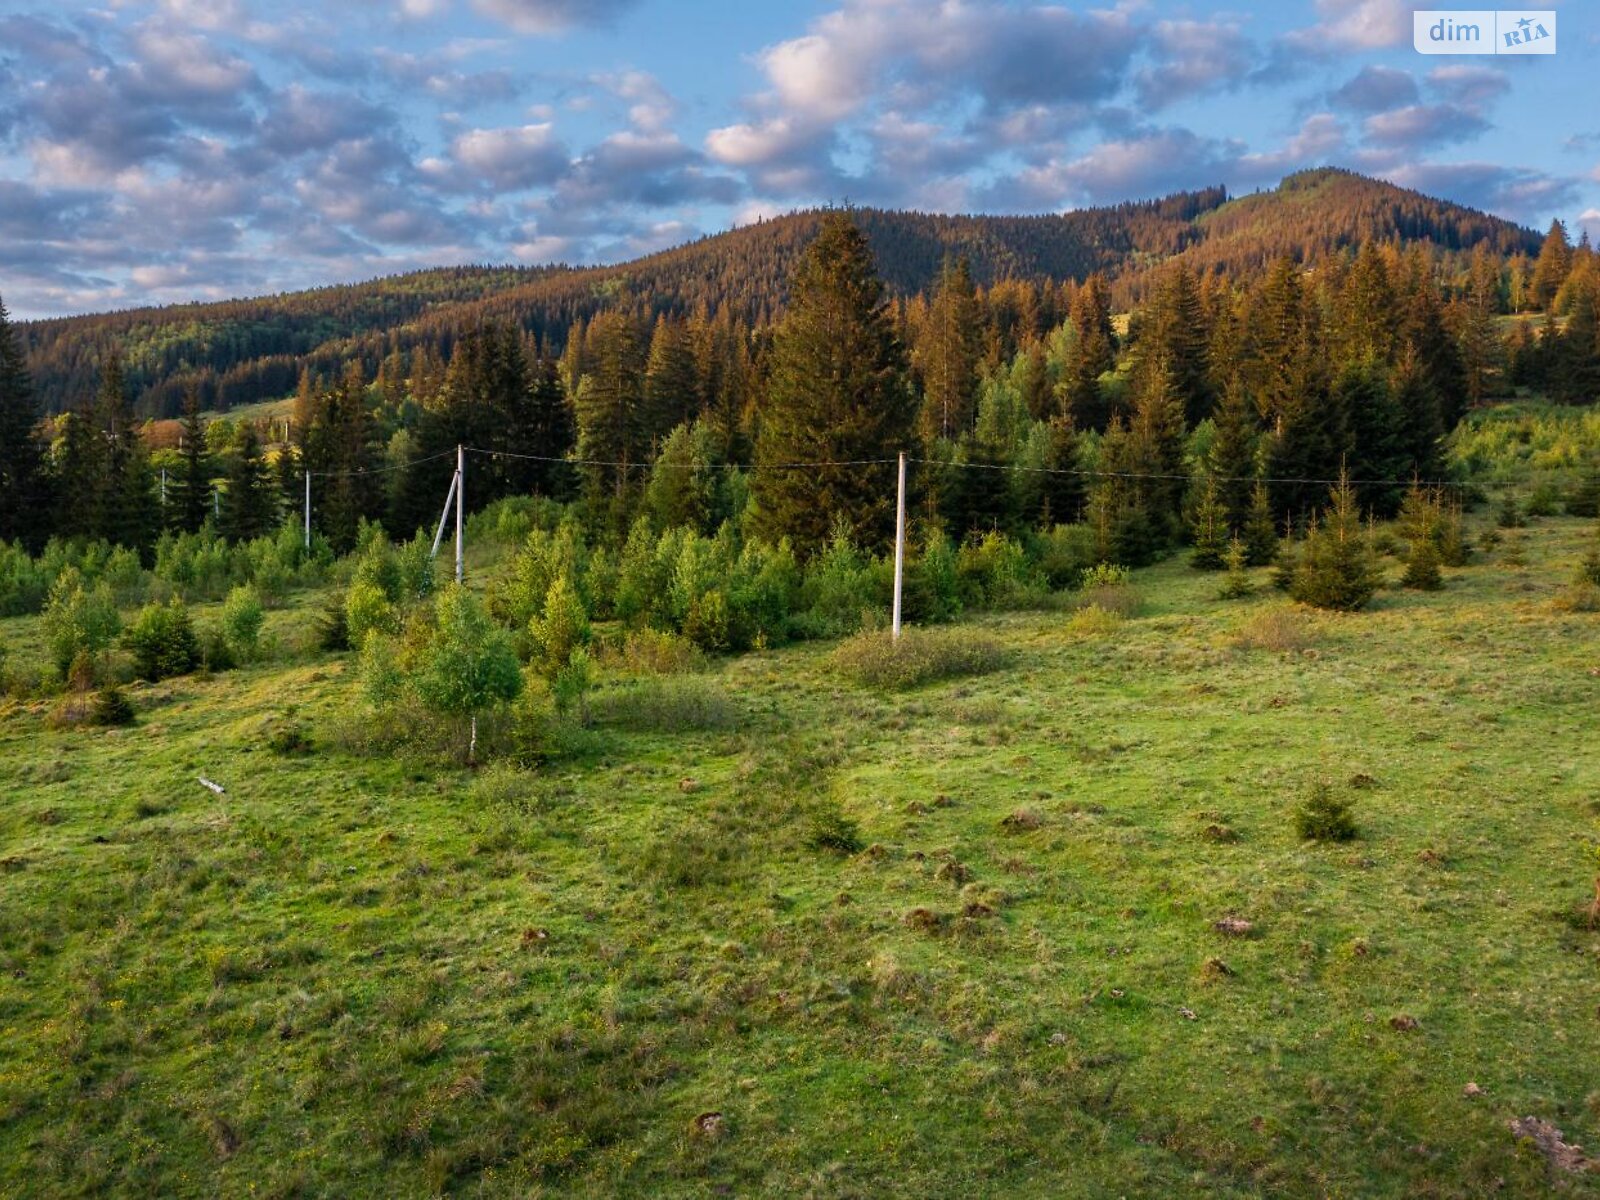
column 245, row 350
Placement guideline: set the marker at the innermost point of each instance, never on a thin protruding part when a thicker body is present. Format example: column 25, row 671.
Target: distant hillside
column 246, row 350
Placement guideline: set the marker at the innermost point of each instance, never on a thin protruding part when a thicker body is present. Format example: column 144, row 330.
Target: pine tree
column 23, row 513
column 1367, row 311
column 1037, row 390
column 611, row 427
column 1231, row 457
column 1375, row 446
column 1156, row 444
column 1584, row 499
column 837, row 395
column 550, row 431
column 1236, row 584
column 1090, row 356
column 1421, row 515
column 126, row 508
column 249, row 505
column 1336, row 569
column 1061, row 493
column 189, row 498
column 1260, row 530
column 1173, row 331
column 79, row 474
column 1209, row 529
column 671, row 382
column 948, row 356
column 1480, row 345
column 1576, row 373
column 1551, row 267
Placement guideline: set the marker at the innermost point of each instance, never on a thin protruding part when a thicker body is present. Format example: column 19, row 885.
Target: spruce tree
column 249, row 503
column 611, row 426
column 1551, row 267
column 1090, row 355
column 671, row 381
column 1237, row 584
column 1156, row 443
column 189, row 497
column 1061, row 493
column 79, row 475
column 1376, row 438
column 837, row 396
column 1173, row 336
column 1336, row 569
column 1260, row 529
column 126, row 507
column 1231, row 457
column 1209, row 529
column 948, row 356
column 22, row 508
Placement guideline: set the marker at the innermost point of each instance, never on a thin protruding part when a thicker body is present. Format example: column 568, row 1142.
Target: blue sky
column 154, row 151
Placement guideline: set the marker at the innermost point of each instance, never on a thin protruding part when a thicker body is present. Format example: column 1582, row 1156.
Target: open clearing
column 631, row 970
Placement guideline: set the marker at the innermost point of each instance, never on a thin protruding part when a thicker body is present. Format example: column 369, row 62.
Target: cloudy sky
column 154, row 151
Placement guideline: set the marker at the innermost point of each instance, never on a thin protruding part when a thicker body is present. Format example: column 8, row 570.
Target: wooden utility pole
column 899, row 543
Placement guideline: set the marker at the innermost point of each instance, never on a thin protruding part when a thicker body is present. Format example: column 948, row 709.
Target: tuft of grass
column 1281, row 629
column 1093, row 622
column 687, row 704
column 921, row 656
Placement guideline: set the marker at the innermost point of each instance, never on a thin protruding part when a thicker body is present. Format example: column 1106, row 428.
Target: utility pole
column 461, row 497
column 308, row 509
column 163, row 487
column 899, row 543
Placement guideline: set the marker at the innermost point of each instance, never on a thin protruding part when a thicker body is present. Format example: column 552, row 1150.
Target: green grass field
column 631, row 971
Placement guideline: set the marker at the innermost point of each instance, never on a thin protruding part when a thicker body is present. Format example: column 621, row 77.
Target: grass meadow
column 763, row 929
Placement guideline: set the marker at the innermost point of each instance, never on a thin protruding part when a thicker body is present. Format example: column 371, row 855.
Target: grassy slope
column 332, row 979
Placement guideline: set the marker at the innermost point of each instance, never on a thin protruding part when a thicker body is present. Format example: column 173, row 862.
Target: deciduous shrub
column 162, row 641
column 368, row 610
column 78, row 620
column 242, row 619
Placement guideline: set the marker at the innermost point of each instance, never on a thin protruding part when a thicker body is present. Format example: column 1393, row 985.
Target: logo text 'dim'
column 1483, row 31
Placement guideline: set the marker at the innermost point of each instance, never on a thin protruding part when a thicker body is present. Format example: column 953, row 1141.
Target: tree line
column 1220, row 404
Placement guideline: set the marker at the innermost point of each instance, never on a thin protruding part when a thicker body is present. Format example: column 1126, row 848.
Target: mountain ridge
column 247, row 349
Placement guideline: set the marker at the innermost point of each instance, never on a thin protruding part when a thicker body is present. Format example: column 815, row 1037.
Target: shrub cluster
column 920, row 656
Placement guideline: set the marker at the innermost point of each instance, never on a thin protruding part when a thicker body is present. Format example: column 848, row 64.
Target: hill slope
column 245, row 350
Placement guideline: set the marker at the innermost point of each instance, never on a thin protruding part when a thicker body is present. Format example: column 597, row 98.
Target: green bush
column 562, row 628
column 1324, row 817
column 367, row 610
column 875, row 659
column 242, row 619
column 162, row 641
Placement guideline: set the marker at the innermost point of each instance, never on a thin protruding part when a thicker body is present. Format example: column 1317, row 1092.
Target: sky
column 160, row 151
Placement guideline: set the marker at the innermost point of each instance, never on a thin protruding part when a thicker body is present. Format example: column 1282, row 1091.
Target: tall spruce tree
column 189, row 496
column 249, row 503
column 1551, row 267
column 671, row 381
column 1091, row 354
column 126, row 507
column 611, row 425
column 23, row 512
column 948, row 355
column 1173, row 331
column 1231, row 457
column 837, row 396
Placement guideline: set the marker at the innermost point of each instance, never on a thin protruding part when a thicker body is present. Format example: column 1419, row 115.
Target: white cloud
column 513, row 158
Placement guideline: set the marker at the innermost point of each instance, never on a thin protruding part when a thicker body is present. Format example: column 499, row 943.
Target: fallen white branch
column 215, row 787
